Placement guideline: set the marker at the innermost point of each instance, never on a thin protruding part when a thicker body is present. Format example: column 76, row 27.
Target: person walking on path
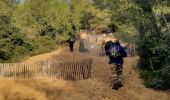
column 71, row 42
column 116, row 53
column 81, row 45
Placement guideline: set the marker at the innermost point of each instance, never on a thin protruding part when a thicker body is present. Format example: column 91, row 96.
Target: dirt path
column 97, row 88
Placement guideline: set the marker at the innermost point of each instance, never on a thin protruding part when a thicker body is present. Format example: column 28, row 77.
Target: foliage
column 33, row 27
column 152, row 42
column 153, row 49
column 13, row 43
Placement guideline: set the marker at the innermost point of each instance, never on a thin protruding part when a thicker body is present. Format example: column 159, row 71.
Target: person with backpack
column 116, row 53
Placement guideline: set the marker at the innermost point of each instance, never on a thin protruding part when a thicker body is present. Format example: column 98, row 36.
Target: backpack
column 108, row 44
column 114, row 51
column 111, row 49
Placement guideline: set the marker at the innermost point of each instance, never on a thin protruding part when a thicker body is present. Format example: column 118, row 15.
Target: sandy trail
column 97, row 88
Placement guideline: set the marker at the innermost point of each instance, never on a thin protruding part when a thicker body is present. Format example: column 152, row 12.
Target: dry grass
column 98, row 88
column 11, row 90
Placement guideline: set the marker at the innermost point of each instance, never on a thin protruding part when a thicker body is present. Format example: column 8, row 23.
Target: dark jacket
column 113, row 59
column 71, row 39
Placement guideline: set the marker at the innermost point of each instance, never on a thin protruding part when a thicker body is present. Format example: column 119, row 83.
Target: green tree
column 153, row 43
column 13, row 43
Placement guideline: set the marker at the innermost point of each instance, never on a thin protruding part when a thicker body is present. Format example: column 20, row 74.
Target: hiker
column 92, row 48
column 81, row 45
column 71, row 42
column 116, row 53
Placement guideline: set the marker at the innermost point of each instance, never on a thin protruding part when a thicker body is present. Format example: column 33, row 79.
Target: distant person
column 81, row 45
column 116, row 53
column 92, row 48
column 71, row 42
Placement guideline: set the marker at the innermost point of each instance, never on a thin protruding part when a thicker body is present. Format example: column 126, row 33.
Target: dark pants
column 71, row 45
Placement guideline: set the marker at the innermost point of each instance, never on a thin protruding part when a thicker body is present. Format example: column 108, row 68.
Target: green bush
column 32, row 28
column 154, row 52
column 166, row 76
column 159, row 79
column 155, row 60
column 13, row 43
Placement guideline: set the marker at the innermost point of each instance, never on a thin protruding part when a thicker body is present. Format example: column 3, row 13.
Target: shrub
column 155, row 61
column 13, row 43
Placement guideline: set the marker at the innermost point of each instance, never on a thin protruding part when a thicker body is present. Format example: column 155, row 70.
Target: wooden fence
column 66, row 70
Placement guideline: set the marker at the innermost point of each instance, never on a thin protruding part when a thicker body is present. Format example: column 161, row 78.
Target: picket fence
column 66, row 70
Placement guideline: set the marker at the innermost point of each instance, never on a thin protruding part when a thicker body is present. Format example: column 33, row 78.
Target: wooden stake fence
column 66, row 70
column 19, row 70
column 77, row 70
